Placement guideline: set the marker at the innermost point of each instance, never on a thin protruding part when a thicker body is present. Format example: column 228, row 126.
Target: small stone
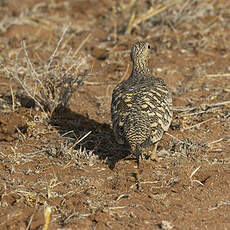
column 166, row 225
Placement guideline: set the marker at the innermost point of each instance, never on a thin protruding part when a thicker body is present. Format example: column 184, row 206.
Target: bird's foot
column 153, row 157
column 153, row 153
column 137, row 176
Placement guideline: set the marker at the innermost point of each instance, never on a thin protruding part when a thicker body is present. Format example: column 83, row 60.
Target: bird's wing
column 149, row 100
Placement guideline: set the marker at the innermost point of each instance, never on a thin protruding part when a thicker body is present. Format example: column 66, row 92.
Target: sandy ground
column 62, row 169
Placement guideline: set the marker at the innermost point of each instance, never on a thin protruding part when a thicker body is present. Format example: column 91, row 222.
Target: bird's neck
column 140, row 69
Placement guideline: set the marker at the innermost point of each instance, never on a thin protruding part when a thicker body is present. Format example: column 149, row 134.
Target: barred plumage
column 141, row 107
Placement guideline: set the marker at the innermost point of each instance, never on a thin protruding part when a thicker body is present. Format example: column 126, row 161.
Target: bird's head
column 140, row 52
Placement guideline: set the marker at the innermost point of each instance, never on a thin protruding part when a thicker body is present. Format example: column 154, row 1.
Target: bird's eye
column 149, row 47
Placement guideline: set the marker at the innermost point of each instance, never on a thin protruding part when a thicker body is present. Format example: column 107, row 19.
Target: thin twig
column 56, row 49
column 32, row 216
column 47, row 214
column 122, row 196
column 82, row 44
column 133, row 22
column 12, row 96
column 175, row 138
column 198, row 124
column 24, row 87
column 86, row 135
column 99, row 83
column 219, row 75
column 219, row 140
column 114, row 208
column 219, row 204
column 31, row 68
column 192, row 174
column 203, row 108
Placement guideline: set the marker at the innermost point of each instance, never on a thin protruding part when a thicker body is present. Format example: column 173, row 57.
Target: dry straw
column 51, row 85
column 47, row 214
column 153, row 11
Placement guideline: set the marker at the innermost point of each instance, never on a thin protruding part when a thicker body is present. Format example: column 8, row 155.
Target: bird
column 141, row 106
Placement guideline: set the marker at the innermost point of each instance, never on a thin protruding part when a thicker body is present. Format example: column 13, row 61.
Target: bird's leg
column 137, row 177
column 139, row 155
column 135, row 149
column 153, row 155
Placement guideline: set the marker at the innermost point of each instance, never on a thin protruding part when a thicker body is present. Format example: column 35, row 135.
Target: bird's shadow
column 100, row 140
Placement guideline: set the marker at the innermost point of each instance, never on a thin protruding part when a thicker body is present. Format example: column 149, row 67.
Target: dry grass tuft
column 167, row 16
column 51, row 84
column 153, row 11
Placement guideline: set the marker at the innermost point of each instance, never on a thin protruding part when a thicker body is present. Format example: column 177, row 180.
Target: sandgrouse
column 141, row 107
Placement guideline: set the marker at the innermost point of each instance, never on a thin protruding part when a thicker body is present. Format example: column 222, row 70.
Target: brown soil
column 90, row 182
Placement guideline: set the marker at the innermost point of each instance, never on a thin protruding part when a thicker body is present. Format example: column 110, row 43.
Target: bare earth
column 64, row 170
